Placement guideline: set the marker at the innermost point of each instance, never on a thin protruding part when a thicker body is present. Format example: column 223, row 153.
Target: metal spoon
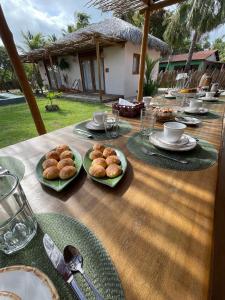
column 74, row 260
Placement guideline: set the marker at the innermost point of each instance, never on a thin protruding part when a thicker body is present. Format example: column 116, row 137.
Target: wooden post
column 9, row 44
column 99, row 69
column 144, row 47
column 53, row 72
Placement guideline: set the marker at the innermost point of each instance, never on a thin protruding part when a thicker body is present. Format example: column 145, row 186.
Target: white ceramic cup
column 99, row 117
column 147, row 101
column 209, row 94
column 195, row 104
column 173, row 131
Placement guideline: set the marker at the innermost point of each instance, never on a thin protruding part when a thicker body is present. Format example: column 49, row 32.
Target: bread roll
column 65, row 162
column 99, row 147
column 51, row 173
column 66, row 154
column 108, row 152
column 49, row 163
column 95, row 154
column 113, row 171
column 97, row 171
column 62, row 148
column 67, row 172
column 100, row 161
column 112, row 159
column 52, row 154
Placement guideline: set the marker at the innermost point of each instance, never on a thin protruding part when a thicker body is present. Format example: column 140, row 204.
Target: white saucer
column 208, row 99
column 183, row 140
column 155, row 140
column 188, row 120
column 199, row 111
column 94, row 126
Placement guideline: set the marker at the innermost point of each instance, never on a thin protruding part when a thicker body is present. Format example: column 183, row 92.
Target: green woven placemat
column 14, row 165
column 214, row 102
column 65, row 230
column 124, row 128
column 202, row 157
column 209, row 115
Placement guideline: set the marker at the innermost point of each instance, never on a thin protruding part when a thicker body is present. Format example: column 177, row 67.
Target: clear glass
column 148, row 119
column 17, row 223
column 111, row 124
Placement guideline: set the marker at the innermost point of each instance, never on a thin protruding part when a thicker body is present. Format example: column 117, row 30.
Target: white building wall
column 212, row 57
column 43, row 74
column 114, row 61
column 72, row 73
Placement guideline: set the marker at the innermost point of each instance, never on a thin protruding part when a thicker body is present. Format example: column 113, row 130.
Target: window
column 136, row 63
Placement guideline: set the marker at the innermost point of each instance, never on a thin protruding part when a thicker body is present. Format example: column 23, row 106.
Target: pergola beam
column 9, row 44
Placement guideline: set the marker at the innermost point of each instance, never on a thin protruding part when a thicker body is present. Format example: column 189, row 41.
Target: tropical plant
column 52, row 38
column 63, row 64
column 150, row 86
column 194, row 18
column 51, row 96
column 219, row 44
column 33, row 41
column 81, row 21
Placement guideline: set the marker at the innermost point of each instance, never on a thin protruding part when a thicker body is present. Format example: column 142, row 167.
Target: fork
column 148, row 152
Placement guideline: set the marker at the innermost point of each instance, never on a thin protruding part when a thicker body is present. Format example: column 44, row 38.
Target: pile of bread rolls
column 105, row 162
column 59, row 163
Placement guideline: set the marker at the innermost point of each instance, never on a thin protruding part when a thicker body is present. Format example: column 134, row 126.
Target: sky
column 50, row 16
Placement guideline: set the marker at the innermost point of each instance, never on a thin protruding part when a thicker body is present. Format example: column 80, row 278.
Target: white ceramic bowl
column 173, row 131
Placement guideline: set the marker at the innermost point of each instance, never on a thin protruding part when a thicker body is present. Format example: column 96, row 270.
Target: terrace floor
column 90, row 97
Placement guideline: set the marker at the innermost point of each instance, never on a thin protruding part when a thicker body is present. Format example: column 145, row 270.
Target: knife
column 80, row 131
column 57, row 259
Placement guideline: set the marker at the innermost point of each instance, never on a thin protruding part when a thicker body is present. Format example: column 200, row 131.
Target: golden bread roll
column 51, row 173
column 95, row 154
column 99, row 161
column 108, row 152
column 52, row 154
column 113, row 171
column 99, row 147
column 65, row 162
column 62, row 148
column 97, row 171
column 112, row 159
column 67, row 172
column 49, row 163
column 66, row 154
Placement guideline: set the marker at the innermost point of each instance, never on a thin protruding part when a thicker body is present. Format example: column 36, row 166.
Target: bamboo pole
column 53, row 72
column 144, row 47
column 9, row 44
column 99, row 69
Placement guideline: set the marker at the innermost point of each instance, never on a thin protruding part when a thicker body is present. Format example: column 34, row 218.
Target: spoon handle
column 91, row 285
column 77, row 290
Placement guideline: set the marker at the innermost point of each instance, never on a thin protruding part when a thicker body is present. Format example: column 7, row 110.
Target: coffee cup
column 99, row 117
column 173, row 131
column 195, row 104
column 147, row 101
column 210, row 94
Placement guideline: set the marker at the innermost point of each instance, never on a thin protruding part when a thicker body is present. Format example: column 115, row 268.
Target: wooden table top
column 156, row 224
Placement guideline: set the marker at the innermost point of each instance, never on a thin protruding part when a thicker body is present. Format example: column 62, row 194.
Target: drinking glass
column 17, row 223
column 148, row 119
column 111, row 124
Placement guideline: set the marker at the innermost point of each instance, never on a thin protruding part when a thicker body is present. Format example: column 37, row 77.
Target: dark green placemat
column 14, row 165
column 202, row 157
column 214, row 102
column 65, row 230
column 124, row 128
column 209, row 115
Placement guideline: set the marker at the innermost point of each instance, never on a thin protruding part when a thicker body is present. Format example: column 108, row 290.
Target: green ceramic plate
column 58, row 184
column 112, row 182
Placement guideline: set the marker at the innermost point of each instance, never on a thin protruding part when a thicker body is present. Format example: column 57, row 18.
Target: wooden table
column 156, row 224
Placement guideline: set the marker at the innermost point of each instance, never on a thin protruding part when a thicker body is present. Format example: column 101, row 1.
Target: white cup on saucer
column 99, row 117
column 210, row 94
column 173, row 131
column 147, row 101
column 195, row 104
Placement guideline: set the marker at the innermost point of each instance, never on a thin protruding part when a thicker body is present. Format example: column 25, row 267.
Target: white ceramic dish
column 200, row 111
column 211, row 99
column 188, row 120
column 155, row 140
column 27, row 283
column 182, row 141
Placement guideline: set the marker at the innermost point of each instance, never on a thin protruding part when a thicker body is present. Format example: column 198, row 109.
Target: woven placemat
column 124, row 128
column 209, row 115
column 13, row 165
column 64, row 231
column 202, row 157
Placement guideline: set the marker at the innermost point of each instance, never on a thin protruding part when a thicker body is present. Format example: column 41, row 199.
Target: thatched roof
column 110, row 31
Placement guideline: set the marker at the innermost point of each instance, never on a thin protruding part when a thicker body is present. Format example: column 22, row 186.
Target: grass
column 17, row 125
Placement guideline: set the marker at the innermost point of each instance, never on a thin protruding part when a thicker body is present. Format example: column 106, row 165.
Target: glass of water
column 17, row 223
column 148, row 119
column 111, row 123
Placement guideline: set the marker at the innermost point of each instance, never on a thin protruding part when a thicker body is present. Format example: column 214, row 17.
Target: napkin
column 125, row 102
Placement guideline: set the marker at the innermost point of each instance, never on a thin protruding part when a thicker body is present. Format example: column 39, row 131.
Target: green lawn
column 16, row 123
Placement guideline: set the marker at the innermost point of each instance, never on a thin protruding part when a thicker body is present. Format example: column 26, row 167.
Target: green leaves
column 150, row 86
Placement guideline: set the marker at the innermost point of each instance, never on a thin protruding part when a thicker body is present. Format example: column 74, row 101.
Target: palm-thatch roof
column 110, row 31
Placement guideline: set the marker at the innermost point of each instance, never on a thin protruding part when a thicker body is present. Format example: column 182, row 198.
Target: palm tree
column 82, row 20
column 196, row 18
column 52, row 38
column 69, row 29
column 33, row 41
